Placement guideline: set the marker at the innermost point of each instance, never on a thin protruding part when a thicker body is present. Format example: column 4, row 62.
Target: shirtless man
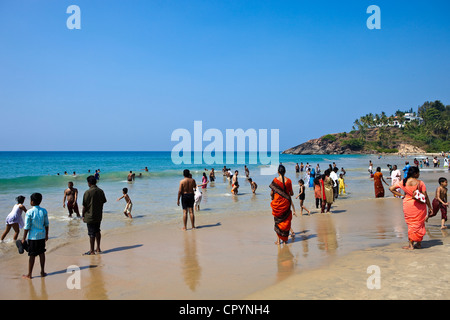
column 253, row 185
column 131, row 176
column 235, row 177
column 186, row 193
column 71, row 195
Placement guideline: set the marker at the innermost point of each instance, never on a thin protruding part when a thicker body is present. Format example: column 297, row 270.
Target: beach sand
column 236, row 258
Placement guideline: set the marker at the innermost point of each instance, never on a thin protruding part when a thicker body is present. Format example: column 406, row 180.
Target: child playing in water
column 197, row 198
column 235, row 187
column 301, row 195
column 440, row 201
column 14, row 219
column 129, row 205
column 253, row 185
column 341, row 184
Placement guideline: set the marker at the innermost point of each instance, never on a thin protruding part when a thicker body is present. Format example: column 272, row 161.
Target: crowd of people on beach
column 417, row 207
column 36, row 222
column 327, row 188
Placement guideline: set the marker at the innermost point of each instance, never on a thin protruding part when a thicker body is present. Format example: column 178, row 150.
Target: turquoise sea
column 154, row 193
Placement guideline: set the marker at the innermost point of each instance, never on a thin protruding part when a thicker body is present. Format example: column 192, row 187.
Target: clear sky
column 138, row 70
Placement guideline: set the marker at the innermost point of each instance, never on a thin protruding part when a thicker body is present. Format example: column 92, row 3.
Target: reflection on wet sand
column 93, row 282
column 191, row 269
column 326, row 234
column 34, row 295
column 286, row 262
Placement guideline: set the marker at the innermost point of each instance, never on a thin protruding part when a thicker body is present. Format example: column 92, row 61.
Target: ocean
column 154, row 193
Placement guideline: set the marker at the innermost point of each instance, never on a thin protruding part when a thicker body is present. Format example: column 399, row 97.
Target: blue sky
column 138, row 70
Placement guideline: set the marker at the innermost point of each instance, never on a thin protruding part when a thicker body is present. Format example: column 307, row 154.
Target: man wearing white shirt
column 334, row 177
column 396, row 176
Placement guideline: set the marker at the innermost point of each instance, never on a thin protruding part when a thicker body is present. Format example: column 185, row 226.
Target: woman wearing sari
column 415, row 211
column 378, row 183
column 327, row 191
column 281, row 192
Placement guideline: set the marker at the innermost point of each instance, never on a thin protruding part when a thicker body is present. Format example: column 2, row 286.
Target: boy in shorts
column 129, row 205
column 440, row 201
column 36, row 228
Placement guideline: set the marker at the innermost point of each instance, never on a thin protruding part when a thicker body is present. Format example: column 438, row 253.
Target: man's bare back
column 187, row 185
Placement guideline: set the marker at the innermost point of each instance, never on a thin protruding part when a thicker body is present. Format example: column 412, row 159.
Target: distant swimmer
column 71, row 196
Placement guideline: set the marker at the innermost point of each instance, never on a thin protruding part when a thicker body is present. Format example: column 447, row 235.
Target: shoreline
column 233, row 257
column 236, row 258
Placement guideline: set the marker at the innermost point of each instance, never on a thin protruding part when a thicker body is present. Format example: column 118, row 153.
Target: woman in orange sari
column 415, row 211
column 378, row 183
column 281, row 192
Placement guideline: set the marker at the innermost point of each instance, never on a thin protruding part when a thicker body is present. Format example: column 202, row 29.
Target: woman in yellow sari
column 281, row 192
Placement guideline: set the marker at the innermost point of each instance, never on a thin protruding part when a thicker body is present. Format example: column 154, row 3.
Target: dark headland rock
column 321, row 146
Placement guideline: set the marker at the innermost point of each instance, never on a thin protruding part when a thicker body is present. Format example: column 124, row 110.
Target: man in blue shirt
column 36, row 228
column 405, row 169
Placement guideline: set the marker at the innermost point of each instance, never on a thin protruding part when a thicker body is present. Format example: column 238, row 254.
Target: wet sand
column 236, row 258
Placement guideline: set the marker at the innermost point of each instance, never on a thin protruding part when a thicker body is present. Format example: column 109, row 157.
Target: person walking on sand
column 129, row 204
column 281, row 193
column 36, row 232
column 71, row 196
column 328, row 191
column 186, row 194
column 14, row 219
column 396, row 176
column 440, row 201
column 378, row 179
column 317, row 191
column 415, row 203
column 405, row 169
column 92, row 213
column 301, row 196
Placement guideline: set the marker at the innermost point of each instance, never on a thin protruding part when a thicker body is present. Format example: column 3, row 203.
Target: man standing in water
column 186, row 193
column 92, row 212
column 71, row 195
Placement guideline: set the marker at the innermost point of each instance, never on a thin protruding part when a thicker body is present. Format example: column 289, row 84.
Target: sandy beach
column 236, row 258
